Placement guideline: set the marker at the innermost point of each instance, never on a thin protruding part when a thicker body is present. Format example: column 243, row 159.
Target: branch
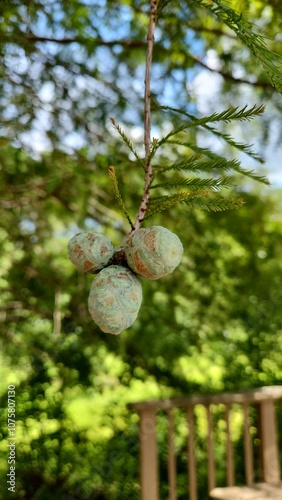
column 228, row 76
column 147, row 116
column 213, row 31
column 140, row 45
column 98, row 41
column 147, row 110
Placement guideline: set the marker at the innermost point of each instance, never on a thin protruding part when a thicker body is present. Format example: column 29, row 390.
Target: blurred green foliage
column 215, row 324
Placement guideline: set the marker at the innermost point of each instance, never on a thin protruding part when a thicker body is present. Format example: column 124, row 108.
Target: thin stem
column 147, row 97
column 147, row 116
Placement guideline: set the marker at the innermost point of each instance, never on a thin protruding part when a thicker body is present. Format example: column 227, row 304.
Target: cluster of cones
column 116, row 293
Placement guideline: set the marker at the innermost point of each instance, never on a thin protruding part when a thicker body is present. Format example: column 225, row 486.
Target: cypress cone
column 153, row 252
column 115, row 299
column 90, row 251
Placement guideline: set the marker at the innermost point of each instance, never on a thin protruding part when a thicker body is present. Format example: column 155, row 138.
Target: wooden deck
column 263, row 401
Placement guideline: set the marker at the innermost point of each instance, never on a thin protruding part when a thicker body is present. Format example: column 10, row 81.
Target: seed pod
column 90, row 252
column 115, row 299
column 153, row 252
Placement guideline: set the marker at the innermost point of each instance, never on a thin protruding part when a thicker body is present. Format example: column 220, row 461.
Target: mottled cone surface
column 153, row 252
column 115, row 299
column 90, row 252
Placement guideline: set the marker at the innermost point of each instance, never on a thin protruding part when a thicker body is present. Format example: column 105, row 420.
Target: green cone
column 115, row 299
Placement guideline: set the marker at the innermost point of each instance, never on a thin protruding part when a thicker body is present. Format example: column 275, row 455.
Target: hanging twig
column 147, row 116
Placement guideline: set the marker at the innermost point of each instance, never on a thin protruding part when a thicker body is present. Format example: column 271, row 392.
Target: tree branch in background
column 97, row 41
column 213, row 31
column 138, row 44
column 230, row 77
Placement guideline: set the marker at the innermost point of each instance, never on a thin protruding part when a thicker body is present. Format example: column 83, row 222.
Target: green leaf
column 203, row 199
column 118, row 196
column 162, row 203
column 256, row 43
column 128, row 142
column 226, row 116
column 245, row 148
column 195, row 164
column 229, row 164
column 196, row 183
column 215, row 204
column 242, row 114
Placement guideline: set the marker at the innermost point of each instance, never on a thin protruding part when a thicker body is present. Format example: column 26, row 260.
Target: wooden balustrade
column 259, row 401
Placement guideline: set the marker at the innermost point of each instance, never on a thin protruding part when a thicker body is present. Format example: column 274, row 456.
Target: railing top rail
column 251, row 396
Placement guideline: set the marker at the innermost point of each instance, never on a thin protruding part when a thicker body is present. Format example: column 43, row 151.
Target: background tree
column 215, row 324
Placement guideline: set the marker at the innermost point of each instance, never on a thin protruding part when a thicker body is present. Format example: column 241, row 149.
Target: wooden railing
column 263, row 402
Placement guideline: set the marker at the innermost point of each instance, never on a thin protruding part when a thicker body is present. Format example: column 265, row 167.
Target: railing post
column 210, row 446
column 149, row 455
column 171, row 458
column 192, row 470
column 269, row 446
column 248, row 449
column 229, row 448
